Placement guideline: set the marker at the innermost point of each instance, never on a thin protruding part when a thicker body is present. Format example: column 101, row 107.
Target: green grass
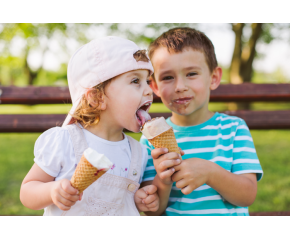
column 272, row 147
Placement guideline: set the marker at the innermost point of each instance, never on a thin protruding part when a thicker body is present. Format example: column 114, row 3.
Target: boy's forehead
column 162, row 58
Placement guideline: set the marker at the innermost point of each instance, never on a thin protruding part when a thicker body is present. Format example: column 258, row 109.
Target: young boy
column 220, row 167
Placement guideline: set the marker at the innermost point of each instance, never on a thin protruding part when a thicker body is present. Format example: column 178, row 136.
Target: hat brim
column 71, row 111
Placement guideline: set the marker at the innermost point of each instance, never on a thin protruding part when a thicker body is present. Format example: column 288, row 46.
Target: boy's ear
column 216, row 77
column 154, row 87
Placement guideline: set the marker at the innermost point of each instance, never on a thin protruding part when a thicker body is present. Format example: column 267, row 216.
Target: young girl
column 108, row 83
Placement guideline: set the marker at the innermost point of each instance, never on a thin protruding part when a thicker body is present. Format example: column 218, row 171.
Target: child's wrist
column 212, row 168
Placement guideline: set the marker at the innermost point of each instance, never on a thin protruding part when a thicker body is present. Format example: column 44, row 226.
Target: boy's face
column 183, row 80
column 125, row 95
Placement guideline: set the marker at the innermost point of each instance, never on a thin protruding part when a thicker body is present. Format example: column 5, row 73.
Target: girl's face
column 128, row 99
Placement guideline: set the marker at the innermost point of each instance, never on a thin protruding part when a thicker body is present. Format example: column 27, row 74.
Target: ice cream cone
column 160, row 134
column 86, row 173
column 166, row 140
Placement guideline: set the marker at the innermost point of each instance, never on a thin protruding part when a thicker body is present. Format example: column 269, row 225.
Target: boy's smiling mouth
column 183, row 100
column 142, row 113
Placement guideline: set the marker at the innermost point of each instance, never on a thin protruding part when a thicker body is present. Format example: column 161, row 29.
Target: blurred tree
column 34, row 37
column 247, row 36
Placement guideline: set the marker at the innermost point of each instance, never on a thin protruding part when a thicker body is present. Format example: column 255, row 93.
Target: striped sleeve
column 149, row 172
column 245, row 159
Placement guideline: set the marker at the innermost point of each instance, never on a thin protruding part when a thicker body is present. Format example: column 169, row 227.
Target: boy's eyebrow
column 192, row 67
column 187, row 68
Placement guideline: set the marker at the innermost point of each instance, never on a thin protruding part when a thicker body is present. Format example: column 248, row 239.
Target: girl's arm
column 39, row 190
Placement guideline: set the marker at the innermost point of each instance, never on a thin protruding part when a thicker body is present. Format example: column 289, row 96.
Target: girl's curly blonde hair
column 86, row 114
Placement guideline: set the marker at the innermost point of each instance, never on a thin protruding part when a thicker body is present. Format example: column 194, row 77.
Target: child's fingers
column 150, row 199
column 181, row 151
column 187, row 190
column 156, row 153
column 166, row 174
column 62, row 207
column 181, row 183
column 68, row 196
column 81, row 196
column 153, row 206
column 64, row 201
column 168, row 164
column 67, row 187
column 141, row 193
column 150, row 189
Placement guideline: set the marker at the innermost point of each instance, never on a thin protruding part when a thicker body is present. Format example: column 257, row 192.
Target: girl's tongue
column 142, row 116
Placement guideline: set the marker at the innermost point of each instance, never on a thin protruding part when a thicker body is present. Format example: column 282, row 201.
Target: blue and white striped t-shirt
column 224, row 140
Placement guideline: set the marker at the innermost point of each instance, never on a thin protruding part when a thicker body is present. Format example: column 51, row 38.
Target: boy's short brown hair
column 176, row 39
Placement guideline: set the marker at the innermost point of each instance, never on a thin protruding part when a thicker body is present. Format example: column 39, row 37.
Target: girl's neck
column 107, row 131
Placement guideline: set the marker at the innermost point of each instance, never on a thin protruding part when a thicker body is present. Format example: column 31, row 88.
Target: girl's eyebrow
column 137, row 74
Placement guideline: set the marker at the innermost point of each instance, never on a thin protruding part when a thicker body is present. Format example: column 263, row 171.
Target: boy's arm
column 238, row 185
column 239, row 190
column 164, row 164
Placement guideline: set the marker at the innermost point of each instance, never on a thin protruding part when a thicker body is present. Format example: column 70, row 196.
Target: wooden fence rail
column 42, row 122
column 224, row 93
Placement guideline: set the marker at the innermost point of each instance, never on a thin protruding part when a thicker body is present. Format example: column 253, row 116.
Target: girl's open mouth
column 142, row 113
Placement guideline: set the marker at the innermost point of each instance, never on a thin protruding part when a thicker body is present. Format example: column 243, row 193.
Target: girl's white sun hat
column 98, row 61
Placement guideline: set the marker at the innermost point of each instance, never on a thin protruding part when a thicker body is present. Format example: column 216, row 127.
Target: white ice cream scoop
column 98, row 160
column 155, row 127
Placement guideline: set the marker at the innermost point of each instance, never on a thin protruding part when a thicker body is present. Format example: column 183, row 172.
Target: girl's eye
column 167, row 78
column 148, row 82
column 192, row 74
column 136, row 80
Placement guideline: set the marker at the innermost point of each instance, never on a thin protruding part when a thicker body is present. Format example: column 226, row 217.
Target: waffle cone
column 84, row 175
column 166, row 140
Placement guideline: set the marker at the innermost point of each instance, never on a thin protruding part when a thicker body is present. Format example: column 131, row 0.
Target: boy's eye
column 167, row 78
column 136, row 81
column 191, row 74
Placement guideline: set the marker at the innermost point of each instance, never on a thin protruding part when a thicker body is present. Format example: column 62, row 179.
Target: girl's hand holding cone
column 63, row 195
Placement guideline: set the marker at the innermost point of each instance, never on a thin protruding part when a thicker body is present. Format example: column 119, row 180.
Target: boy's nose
column 180, row 85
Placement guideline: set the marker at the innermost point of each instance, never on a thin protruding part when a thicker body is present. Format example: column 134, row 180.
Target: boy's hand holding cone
column 161, row 136
column 91, row 167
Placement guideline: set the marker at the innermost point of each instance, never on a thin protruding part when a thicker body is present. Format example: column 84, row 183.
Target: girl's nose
column 148, row 91
column 180, row 85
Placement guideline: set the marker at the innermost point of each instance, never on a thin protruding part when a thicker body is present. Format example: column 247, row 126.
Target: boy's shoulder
column 217, row 121
column 222, row 117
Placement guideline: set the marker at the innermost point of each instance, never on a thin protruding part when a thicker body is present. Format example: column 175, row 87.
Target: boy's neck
column 106, row 131
column 198, row 117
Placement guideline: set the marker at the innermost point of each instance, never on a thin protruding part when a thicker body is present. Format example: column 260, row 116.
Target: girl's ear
column 101, row 104
column 154, row 86
column 216, row 78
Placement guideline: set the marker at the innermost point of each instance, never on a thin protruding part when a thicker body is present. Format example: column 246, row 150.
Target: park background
column 37, row 54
